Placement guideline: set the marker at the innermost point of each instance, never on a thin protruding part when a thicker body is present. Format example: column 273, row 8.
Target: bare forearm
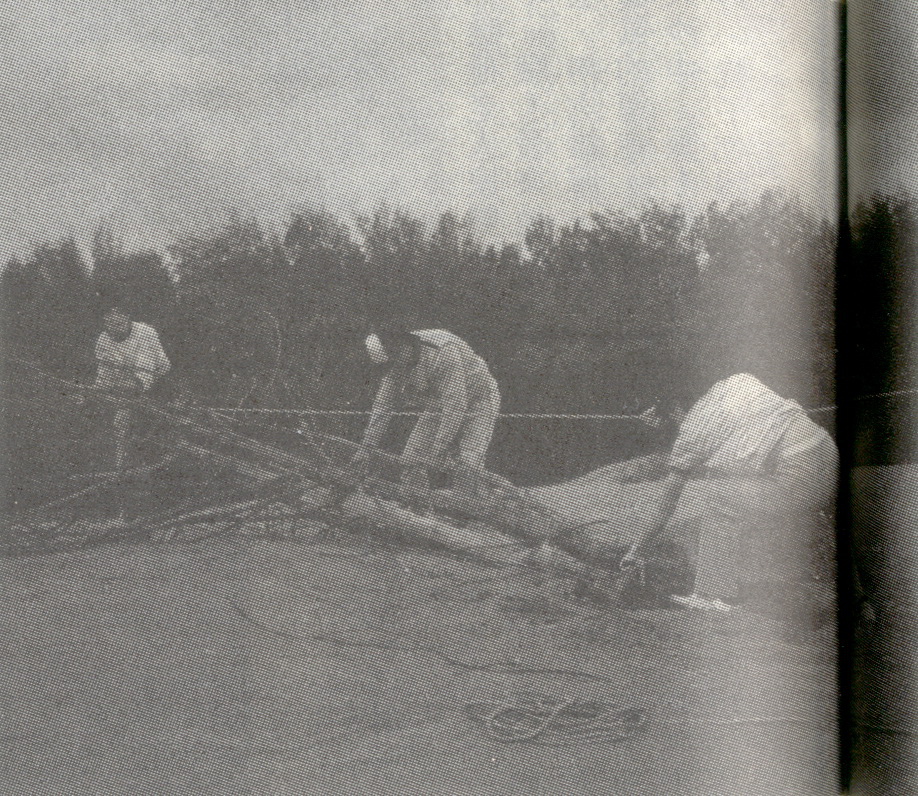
column 669, row 499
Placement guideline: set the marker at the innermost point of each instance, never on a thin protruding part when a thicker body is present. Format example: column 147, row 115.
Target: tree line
column 606, row 314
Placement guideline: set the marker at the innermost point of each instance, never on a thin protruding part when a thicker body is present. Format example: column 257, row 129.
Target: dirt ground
column 327, row 664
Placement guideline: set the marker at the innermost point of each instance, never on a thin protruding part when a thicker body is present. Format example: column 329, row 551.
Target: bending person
column 129, row 359
column 437, row 374
column 754, row 460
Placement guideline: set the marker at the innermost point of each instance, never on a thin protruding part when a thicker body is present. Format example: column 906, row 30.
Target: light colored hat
column 375, row 349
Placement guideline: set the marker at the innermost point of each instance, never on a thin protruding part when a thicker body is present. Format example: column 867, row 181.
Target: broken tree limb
column 473, row 539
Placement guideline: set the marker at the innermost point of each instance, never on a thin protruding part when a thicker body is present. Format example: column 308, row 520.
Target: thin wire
column 365, row 413
column 338, row 641
column 509, row 415
column 888, row 394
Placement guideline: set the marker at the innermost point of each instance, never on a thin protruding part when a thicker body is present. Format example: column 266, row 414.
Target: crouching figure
column 437, row 375
column 746, row 462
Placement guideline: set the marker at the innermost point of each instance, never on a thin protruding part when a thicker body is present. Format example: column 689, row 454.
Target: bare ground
column 330, row 665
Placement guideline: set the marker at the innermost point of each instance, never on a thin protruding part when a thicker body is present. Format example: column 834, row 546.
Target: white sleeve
column 698, row 438
column 162, row 363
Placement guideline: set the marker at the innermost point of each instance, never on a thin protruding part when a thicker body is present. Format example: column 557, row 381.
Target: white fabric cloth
column 450, row 355
column 375, row 349
column 739, row 427
column 440, row 337
column 139, row 356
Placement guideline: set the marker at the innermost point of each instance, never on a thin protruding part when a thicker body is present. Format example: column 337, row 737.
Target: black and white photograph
column 478, row 397
column 878, row 376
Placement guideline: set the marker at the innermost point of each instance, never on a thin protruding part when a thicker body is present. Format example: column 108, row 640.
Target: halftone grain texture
column 615, row 206
column 258, row 665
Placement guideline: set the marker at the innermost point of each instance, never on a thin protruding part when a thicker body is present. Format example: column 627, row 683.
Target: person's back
column 453, row 351
column 740, row 426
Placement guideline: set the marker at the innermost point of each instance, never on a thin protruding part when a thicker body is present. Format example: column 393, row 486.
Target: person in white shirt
column 436, row 373
column 750, row 457
column 129, row 360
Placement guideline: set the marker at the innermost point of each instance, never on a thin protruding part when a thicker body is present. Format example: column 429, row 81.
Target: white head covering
column 375, row 349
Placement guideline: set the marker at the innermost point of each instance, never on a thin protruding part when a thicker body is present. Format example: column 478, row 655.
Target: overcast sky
column 158, row 115
column 883, row 97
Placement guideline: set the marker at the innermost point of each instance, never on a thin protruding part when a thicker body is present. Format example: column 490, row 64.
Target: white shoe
column 699, row 603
